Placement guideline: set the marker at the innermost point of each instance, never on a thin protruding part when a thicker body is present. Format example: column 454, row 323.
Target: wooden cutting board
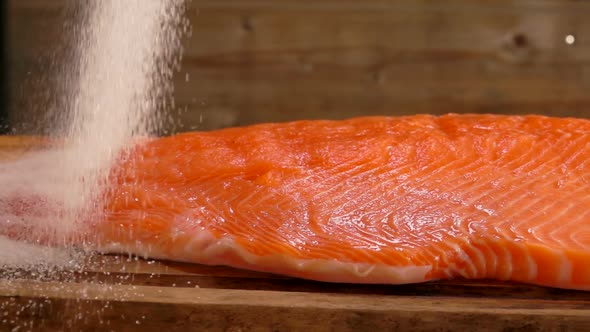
column 118, row 293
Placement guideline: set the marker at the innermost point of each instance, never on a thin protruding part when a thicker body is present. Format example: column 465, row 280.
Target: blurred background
column 250, row 61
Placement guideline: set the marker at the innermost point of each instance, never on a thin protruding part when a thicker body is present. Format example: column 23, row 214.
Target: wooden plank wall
column 250, row 61
column 3, row 91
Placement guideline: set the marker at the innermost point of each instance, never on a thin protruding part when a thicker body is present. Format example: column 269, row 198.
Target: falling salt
column 121, row 85
column 117, row 82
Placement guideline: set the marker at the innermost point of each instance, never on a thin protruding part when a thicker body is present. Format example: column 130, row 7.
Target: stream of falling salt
column 117, row 83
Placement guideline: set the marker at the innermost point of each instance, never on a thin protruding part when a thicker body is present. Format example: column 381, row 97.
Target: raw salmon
column 387, row 200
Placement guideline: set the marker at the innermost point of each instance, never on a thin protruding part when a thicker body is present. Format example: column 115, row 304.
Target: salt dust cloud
column 118, row 82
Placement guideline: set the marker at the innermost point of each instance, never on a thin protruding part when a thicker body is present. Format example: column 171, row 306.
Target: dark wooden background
column 250, row 61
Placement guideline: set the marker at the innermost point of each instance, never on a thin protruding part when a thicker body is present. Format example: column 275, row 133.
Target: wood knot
column 247, row 24
column 517, row 48
column 519, row 40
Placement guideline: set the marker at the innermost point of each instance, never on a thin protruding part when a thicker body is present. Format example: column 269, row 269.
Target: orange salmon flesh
column 387, row 200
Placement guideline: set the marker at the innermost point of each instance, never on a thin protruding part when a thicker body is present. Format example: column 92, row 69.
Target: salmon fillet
column 388, row 200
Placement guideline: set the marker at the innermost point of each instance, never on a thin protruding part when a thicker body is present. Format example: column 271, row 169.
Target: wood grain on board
column 12, row 147
column 250, row 61
column 121, row 307
column 122, row 293
column 178, row 296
